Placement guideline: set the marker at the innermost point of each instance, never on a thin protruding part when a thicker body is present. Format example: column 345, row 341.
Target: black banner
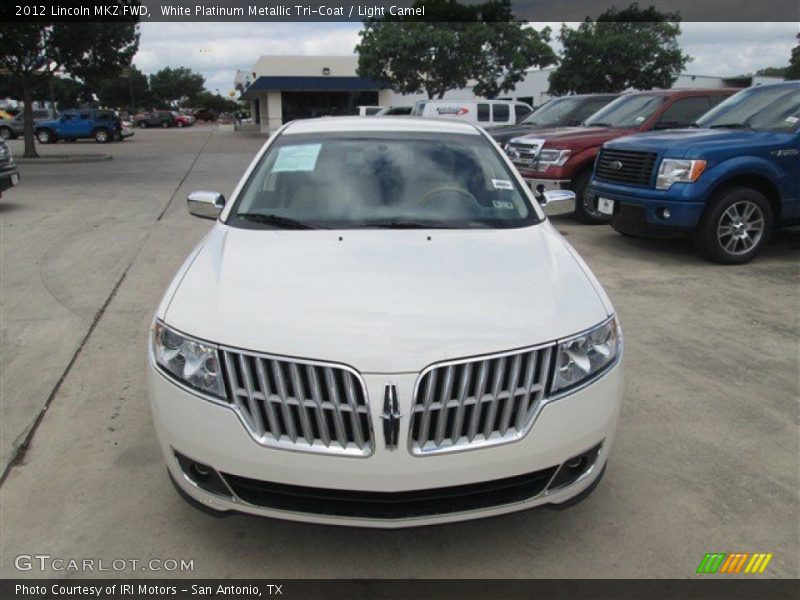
column 358, row 10
column 403, row 589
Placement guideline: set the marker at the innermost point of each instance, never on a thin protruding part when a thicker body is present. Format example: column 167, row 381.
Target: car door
column 84, row 124
column 68, row 125
column 683, row 112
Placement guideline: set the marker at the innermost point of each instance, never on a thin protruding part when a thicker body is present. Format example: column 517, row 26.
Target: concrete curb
column 55, row 159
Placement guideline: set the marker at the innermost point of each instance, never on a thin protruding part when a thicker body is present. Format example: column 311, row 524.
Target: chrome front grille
column 477, row 402
column 523, row 154
column 300, row 405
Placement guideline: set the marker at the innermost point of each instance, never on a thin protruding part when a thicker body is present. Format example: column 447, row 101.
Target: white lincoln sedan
column 383, row 329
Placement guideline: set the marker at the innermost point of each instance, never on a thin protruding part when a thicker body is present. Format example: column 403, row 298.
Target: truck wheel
column 585, row 205
column 6, row 133
column 45, row 136
column 101, row 136
column 735, row 226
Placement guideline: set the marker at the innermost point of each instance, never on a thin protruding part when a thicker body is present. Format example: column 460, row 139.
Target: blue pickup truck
column 727, row 181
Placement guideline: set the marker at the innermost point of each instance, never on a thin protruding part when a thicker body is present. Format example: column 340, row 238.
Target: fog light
column 663, row 213
column 574, row 468
column 202, row 476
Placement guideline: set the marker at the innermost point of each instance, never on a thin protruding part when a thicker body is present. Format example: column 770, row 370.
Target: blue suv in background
column 727, row 181
column 98, row 124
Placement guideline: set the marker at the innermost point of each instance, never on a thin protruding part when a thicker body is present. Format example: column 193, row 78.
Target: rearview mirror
column 207, row 205
column 556, row 202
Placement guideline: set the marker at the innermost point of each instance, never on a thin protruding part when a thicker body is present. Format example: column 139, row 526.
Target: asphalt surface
column 705, row 459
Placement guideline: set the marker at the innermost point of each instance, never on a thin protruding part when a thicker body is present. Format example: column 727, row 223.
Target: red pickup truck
column 563, row 158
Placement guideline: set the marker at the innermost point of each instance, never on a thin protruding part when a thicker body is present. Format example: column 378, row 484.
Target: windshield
column 553, row 112
column 625, row 112
column 362, row 180
column 773, row 108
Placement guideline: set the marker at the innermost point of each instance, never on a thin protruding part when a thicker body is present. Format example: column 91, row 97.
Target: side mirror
column 207, row 205
column 556, row 202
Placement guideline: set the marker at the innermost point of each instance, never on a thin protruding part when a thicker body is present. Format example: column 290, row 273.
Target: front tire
column 6, row 133
column 102, row 136
column 180, row 124
column 164, row 124
column 45, row 136
column 735, row 226
column 142, row 125
column 585, row 205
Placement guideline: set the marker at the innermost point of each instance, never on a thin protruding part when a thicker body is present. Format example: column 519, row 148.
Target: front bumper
column 213, row 435
column 650, row 212
column 9, row 177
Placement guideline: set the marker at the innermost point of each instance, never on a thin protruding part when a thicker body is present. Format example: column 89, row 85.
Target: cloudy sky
column 217, row 49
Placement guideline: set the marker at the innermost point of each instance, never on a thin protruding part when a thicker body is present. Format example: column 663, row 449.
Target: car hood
column 698, row 142
column 577, row 138
column 384, row 300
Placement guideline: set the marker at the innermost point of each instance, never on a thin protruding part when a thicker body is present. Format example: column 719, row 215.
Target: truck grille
column 625, row 166
column 477, row 402
column 300, row 405
column 523, row 155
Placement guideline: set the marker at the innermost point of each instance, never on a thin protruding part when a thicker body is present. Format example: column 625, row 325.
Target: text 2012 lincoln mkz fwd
column 382, row 328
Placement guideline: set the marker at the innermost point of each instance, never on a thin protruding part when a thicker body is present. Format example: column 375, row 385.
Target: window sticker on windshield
column 505, row 204
column 639, row 119
column 297, row 158
column 792, row 120
column 502, row 184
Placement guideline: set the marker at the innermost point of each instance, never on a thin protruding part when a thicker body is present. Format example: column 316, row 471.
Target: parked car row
column 720, row 166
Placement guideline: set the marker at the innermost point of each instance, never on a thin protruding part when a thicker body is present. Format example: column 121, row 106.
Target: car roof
column 396, row 124
column 685, row 92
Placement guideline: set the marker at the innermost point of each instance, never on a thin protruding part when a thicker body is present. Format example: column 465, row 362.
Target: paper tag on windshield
column 297, row 158
column 792, row 120
column 502, row 184
column 639, row 119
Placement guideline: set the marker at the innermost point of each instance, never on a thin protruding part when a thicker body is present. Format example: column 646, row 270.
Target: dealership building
column 283, row 88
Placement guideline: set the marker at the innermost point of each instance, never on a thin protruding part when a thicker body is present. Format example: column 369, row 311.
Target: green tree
column 773, row 72
column 206, row 99
column 130, row 89
column 175, row 86
column 630, row 48
column 455, row 45
column 67, row 93
column 793, row 71
column 33, row 52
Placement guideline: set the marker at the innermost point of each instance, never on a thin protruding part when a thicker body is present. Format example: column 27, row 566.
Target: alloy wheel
column 740, row 227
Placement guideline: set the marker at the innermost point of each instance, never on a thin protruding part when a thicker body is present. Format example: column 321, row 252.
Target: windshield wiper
column 731, row 126
column 277, row 221
column 398, row 224
column 598, row 125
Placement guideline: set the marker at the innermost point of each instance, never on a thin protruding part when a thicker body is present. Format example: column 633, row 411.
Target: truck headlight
column 585, row 356
column 192, row 362
column 550, row 158
column 674, row 170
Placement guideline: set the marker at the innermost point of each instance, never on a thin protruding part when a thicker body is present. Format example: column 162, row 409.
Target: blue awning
column 312, row 84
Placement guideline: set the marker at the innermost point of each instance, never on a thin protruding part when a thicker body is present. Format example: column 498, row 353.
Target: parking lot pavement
column 705, row 457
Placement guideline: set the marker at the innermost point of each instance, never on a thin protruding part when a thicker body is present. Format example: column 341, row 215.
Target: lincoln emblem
column 391, row 416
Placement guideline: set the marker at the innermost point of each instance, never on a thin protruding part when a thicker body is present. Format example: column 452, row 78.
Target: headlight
column 583, row 357
column 5, row 152
column 549, row 158
column 673, row 170
column 193, row 362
